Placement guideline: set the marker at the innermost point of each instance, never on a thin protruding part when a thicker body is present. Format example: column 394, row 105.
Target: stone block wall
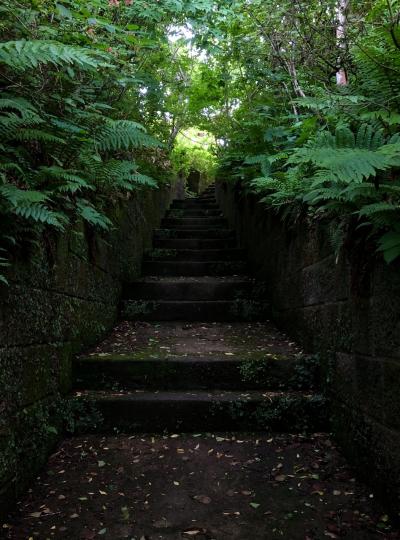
column 62, row 297
column 348, row 310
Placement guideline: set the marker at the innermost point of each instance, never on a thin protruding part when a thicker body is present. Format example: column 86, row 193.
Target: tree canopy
column 300, row 98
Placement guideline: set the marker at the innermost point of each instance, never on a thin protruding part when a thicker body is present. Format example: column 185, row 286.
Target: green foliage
column 23, row 54
column 82, row 111
column 193, row 151
column 100, row 98
column 285, row 128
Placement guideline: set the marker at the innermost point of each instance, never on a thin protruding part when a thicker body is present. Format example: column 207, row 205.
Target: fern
column 92, row 216
column 381, row 213
column 67, row 181
column 29, row 54
column 347, row 157
column 42, row 214
column 389, row 244
column 123, row 135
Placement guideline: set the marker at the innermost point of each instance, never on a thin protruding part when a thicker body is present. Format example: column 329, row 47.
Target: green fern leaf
column 89, row 213
column 122, row 135
column 29, row 54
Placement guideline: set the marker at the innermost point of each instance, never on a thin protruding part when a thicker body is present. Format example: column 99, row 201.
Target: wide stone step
column 193, row 212
column 225, row 288
column 234, row 254
column 193, row 268
column 195, row 204
column 193, row 411
column 194, row 310
column 194, row 243
column 194, row 234
column 194, row 223
column 142, row 370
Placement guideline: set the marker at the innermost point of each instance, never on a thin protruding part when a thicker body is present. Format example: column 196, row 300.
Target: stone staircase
column 191, row 355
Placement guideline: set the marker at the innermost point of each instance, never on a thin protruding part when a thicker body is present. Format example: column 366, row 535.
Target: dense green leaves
column 99, row 98
column 284, row 126
column 82, row 110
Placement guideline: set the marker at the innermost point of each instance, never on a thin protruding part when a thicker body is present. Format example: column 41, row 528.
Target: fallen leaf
column 36, row 514
column 125, row 513
column 280, row 478
column 203, row 499
column 101, row 464
column 254, row 505
column 162, row 524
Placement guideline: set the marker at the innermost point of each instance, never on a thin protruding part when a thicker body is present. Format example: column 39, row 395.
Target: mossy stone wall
column 63, row 297
column 348, row 309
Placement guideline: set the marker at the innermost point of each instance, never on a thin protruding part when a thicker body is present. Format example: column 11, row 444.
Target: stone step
column 207, row 199
column 194, row 223
column 194, row 310
column 225, row 288
column 193, row 268
column 193, row 411
column 194, row 204
column 142, row 370
column 193, row 212
column 194, row 234
column 230, row 254
column 194, row 243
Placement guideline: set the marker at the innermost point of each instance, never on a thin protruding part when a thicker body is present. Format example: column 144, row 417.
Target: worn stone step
column 212, row 288
column 194, row 310
column 193, row 411
column 230, row 254
column 194, row 223
column 193, row 212
column 193, row 268
column 194, row 234
column 148, row 369
column 194, row 243
column 195, row 204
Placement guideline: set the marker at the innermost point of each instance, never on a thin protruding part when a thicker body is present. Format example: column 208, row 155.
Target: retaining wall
column 62, row 298
column 346, row 308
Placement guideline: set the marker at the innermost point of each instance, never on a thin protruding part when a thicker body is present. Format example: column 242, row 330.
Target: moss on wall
column 347, row 309
column 61, row 298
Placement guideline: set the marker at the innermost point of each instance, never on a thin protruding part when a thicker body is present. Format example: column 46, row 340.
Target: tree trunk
column 341, row 75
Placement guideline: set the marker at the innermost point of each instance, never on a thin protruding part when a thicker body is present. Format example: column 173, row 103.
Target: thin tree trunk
column 341, row 75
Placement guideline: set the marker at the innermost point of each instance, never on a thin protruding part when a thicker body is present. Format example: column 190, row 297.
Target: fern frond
column 122, row 135
column 16, row 197
column 37, row 135
column 67, row 180
column 346, row 164
column 23, row 106
column 89, row 213
column 42, row 214
column 29, row 54
column 374, row 209
column 11, row 123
